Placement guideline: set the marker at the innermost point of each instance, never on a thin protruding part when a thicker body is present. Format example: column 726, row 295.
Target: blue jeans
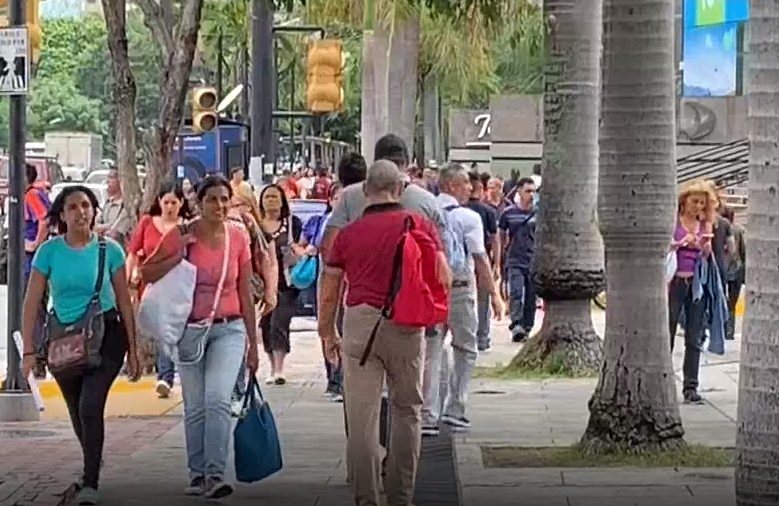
column 206, row 387
column 166, row 369
column 522, row 299
column 335, row 374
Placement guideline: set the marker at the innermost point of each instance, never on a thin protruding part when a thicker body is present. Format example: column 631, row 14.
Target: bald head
column 384, row 182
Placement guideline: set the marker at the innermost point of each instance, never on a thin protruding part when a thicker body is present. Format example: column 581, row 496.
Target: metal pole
column 16, row 254
column 219, row 65
column 218, row 133
column 262, row 82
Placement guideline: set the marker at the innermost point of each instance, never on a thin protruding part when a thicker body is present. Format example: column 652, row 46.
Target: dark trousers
column 275, row 326
column 680, row 299
column 86, row 395
column 335, row 374
column 522, row 299
column 734, row 290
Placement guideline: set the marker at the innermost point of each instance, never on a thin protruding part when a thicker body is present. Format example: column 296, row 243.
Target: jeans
column 206, row 387
column 485, row 316
column 166, row 369
column 335, row 374
column 680, row 298
column 86, row 394
column 522, row 299
column 462, row 323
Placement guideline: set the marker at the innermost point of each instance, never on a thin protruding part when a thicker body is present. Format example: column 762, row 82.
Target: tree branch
column 156, row 18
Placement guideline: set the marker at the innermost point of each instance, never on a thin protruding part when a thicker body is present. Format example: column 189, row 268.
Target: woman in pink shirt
column 208, row 364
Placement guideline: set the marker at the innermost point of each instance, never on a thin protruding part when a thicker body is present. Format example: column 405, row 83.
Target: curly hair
column 705, row 187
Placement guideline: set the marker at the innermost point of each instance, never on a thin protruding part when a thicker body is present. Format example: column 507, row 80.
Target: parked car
column 305, row 210
column 49, row 173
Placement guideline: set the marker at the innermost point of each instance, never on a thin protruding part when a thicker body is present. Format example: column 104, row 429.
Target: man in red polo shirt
column 363, row 252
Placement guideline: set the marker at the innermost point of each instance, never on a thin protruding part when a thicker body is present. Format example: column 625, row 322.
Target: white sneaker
column 337, row 398
column 163, row 390
column 270, row 380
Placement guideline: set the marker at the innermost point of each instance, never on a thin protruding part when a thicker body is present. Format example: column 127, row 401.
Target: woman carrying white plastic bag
column 213, row 344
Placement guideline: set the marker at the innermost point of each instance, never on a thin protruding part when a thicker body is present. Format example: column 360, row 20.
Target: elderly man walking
column 364, row 253
column 466, row 254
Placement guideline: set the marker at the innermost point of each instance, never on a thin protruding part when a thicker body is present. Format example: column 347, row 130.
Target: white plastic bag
column 670, row 266
column 166, row 306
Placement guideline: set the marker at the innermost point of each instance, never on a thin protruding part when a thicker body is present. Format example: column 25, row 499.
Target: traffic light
column 204, row 102
column 33, row 25
column 325, row 84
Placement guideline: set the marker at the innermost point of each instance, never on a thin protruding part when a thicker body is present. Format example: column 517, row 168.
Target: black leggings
column 275, row 326
column 87, row 393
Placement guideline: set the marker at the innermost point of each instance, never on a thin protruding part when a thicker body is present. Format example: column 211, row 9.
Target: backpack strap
column 100, row 269
column 386, row 311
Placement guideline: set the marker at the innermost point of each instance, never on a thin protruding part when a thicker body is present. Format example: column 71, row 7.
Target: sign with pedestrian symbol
column 14, row 61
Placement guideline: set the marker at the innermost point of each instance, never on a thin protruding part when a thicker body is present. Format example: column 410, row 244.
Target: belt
column 226, row 319
column 460, row 284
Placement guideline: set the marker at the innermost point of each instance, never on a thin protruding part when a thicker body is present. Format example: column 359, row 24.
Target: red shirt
column 321, row 189
column 145, row 238
column 365, row 250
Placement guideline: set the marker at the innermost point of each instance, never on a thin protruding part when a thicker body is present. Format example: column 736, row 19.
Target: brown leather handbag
column 74, row 348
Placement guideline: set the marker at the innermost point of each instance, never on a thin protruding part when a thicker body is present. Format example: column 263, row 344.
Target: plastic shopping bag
column 255, row 439
column 166, row 305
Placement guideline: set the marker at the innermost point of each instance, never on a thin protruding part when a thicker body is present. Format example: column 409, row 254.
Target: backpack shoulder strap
column 100, row 268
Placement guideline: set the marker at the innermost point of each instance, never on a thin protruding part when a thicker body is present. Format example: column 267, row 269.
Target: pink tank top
column 685, row 256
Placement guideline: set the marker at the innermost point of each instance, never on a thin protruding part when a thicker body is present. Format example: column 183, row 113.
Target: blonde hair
column 251, row 203
column 701, row 186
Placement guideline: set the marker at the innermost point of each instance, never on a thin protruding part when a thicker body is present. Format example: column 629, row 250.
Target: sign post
column 16, row 400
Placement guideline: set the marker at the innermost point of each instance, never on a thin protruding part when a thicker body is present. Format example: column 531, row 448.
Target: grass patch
column 573, row 456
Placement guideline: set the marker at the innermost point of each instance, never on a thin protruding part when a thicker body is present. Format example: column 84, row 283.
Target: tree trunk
column 381, row 68
column 175, row 84
column 757, row 452
column 568, row 261
column 124, row 94
column 403, row 78
column 634, row 406
column 432, row 122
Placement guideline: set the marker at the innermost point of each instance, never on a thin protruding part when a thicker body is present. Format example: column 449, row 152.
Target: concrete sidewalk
column 504, row 413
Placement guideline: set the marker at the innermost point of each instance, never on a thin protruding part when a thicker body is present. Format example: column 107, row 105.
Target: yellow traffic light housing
column 33, row 25
column 325, row 92
column 204, row 102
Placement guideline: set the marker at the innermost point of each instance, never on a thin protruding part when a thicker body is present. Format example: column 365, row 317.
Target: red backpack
column 416, row 297
column 321, row 189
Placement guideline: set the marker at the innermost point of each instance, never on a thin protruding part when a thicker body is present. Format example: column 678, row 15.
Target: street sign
column 14, row 61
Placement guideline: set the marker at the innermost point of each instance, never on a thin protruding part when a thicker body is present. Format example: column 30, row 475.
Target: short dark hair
column 392, row 148
column 525, row 180
column 485, row 178
column 537, row 169
column 474, row 177
column 211, row 181
column 352, row 169
column 31, row 173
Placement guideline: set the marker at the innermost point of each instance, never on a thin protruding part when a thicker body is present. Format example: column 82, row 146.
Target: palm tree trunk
column 403, row 78
column 368, row 97
column 432, row 119
column 568, row 261
column 634, row 406
column 758, row 397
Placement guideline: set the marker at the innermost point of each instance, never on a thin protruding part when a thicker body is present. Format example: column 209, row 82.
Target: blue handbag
column 304, row 274
column 256, row 440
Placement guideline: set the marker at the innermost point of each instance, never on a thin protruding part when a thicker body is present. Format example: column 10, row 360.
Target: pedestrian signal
column 204, row 102
column 325, row 83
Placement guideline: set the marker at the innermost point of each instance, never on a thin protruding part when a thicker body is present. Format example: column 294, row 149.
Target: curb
column 50, row 390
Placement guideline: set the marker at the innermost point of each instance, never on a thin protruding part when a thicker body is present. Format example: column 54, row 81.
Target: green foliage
column 60, row 106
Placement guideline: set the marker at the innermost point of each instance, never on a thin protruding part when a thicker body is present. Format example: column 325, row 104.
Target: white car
column 97, row 177
column 99, row 189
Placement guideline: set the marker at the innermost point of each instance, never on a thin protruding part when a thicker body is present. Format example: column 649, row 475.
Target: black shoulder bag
column 75, row 348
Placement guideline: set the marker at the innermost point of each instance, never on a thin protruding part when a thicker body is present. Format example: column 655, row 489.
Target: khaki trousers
column 398, row 353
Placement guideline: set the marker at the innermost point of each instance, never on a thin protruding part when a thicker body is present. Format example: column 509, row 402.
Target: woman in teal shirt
column 69, row 264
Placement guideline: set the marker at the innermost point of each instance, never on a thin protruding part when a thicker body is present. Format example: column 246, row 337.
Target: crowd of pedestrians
column 407, row 261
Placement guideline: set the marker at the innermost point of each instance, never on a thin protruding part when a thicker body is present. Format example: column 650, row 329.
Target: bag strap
column 253, row 393
column 386, row 311
column 225, row 262
column 100, row 268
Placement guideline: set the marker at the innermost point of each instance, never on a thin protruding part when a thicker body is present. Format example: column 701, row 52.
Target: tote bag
column 255, row 439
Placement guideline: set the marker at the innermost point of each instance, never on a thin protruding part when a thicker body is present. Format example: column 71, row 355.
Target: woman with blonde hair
column 696, row 212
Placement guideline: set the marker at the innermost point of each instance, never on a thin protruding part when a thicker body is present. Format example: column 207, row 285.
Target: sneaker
column 518, row 335
column 270, row 379
column 236, row 408
column 216, row 488
column 430, row 430
column 329, row 394
column 456, row 422
column 693, row 397
column 196, row 487
column 163, row 390
column 280, row 380
column 87, row 496
column 338, row 398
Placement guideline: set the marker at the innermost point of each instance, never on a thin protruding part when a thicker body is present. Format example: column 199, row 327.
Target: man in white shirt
column 464, row 243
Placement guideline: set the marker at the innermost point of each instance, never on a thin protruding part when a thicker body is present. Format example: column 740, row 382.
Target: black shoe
column 519, row 336
column 216, row 488
column 196, row 487
column 693, row 397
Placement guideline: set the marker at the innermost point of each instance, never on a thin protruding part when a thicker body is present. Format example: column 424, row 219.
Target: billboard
column 699, row 13
column 710, row 60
